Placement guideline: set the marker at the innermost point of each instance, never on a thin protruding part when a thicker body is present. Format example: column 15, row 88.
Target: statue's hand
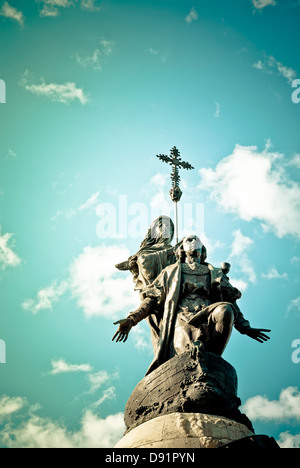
column 257, row 334
column 125, row 325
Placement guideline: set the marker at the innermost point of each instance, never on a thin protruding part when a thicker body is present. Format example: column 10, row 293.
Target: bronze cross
column 175, row 161
column 175, row 193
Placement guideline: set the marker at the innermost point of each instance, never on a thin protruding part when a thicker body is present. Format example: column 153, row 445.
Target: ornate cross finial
column 175, row 161
column 175, row 193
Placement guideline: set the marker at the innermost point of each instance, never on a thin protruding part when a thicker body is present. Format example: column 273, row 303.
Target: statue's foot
column 197, row 349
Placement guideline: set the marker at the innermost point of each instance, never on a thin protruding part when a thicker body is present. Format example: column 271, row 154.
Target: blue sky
column 94, row 90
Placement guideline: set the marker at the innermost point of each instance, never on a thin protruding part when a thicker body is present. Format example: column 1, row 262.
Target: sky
column 91, row 92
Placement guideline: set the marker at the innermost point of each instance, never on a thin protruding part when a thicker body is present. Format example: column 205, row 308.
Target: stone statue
column 155, row 253
column 192, row 304
column 188, row 397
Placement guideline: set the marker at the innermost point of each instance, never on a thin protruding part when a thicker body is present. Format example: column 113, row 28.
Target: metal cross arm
column 176, row 162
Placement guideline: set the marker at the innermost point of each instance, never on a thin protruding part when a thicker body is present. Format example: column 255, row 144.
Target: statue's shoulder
column 215, row 272
column 212, row 267
column 172, row 267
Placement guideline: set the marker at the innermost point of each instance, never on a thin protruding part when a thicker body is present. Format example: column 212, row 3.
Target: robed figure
column 190, row 305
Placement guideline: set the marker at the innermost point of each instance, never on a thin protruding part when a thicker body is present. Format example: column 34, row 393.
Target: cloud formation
column 89, row 5
column 64, row 93
column 239, row 255
column 21, row 427
column 218, row 110
column 260, row 4
column 252, row 185
column 51, row 8
column 271, row 64
column 46, row 297
column 274, row 274
column 95, row 59
column 7, row 11
column 285, row 409
column 294, row 307
column 8, row 258
column 288, row 440
column 192, row 16
column 93, row 281
column 60, row 366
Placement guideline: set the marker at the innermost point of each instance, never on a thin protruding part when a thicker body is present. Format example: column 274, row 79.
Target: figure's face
column 192, row 243
column 163, row 231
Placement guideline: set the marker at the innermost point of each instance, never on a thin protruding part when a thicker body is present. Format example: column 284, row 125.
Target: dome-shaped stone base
column 185, row 430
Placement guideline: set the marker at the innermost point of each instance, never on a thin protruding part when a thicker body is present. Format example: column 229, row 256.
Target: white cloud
column 240, row 284
column 8, row 406
column 160, row 202
column 273, row 274
column 260, row 4
column 51, row 7
column 90, row 202
column 295, row 261
column 294, row 306
column 288, row 73
column 285, row 409
column 192, row 16
column 72, row 212
column 89, row 5
column 218, row 110
column 161, row 55
column 60, row 366
column 33, row 431
column 96, row 59
column 240, row 244
column 8, row 258
column 96, row 284
column 152, row 51
column 108, row 394
column 295, row 161
column 288, row 440
column 272, row 64
column 12, row 13
column 97, row 379
column 29, row 430
column 141, row 338
column 252, row 185
column 63, row 93
column 239, row 248
column 259, row 65
column 46, row 297
column 97, row 432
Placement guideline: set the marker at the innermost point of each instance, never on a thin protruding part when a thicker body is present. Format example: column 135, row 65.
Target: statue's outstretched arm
column 147, row 307
column 244, row 327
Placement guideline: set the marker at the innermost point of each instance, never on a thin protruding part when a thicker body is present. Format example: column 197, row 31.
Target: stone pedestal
column 185, row 430
column 189, row 402
column 204, row 384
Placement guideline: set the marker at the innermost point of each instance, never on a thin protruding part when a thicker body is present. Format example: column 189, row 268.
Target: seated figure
column 190, row 306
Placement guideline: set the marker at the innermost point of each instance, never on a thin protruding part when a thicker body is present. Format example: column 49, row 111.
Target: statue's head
column 161, row 231
column 192, row 243
column 191, row 246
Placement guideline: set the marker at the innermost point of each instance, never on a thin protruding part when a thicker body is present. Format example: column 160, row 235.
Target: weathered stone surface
column 185, row 430
column 204, row 384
